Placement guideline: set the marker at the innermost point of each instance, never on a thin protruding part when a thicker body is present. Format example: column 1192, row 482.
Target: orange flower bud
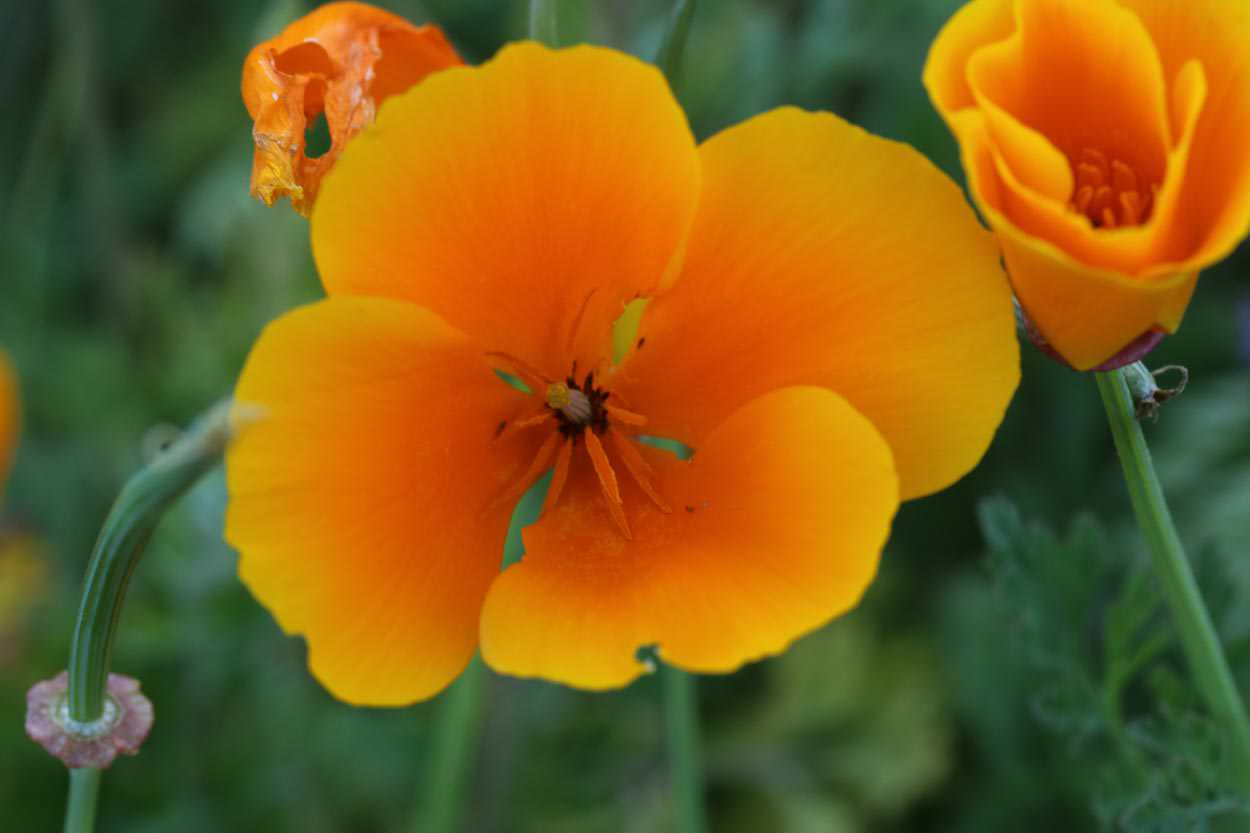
column 341, row 61
column 1105, row 141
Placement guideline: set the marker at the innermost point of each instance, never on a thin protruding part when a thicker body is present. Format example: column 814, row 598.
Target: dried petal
column 122, row 729
column 340, row 61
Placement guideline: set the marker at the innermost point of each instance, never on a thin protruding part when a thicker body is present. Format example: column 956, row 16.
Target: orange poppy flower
column 342, row 60
column 828, row 329
column 1108, row 144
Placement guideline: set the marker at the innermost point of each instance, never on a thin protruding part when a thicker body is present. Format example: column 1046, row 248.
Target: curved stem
column 681, row 705
column 1197, row 633
column 84, row 792
column 123, row 538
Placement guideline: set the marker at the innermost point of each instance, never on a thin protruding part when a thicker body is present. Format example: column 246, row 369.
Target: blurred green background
column 135, row 272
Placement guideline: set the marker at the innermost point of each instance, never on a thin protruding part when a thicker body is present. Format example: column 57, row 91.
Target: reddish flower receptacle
column 127, row 719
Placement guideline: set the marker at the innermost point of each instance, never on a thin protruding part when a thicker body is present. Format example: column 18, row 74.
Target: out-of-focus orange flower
column 828, row 328
column 341, row 60
column 23, row 585
column 1108, row 144
column 23, row 571
column 9, row 417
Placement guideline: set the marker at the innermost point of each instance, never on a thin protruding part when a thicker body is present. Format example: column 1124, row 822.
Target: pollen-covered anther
column 571, row 402
column 1110, row 193
column 578, row 412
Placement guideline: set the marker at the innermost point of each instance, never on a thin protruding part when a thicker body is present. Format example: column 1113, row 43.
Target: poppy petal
column 975, row 25
column 1160, row 247
column 778, row 524
column 338, row 62
column 1063, row 76
column 1217, row 187
column 823, row 255
column 358, row 502
column 517, row 200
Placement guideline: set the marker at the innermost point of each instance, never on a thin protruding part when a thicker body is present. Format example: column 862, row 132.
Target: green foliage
column 1090, row 622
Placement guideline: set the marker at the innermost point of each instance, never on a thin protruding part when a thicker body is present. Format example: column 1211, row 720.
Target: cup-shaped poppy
column 828, row 328
column 1108, row 144
column 339, row 63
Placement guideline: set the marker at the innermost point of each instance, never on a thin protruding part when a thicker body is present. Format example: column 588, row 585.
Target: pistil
column 574, row 405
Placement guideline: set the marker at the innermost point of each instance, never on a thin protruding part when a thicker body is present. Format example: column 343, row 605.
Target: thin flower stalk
column 123, row 539
column 122, row 542
column 444, row 798
column 1198, row 637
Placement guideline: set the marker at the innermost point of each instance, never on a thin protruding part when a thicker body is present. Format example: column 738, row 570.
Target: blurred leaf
column 1090, row 622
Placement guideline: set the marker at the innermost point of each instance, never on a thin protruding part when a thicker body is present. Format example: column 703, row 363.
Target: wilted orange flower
column 341, row 60
column 1108, row 144
column 828, row 329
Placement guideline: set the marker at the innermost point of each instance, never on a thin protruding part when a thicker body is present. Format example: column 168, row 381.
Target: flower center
column 579, row 413
column 1110, row 192
column 578, row 406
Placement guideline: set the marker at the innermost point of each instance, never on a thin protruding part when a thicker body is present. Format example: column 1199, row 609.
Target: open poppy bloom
column 1108, row 144
column 828, row 329
column 338, row 62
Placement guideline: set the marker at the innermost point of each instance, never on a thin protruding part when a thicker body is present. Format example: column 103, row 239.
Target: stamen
column 1083, row 198
column 638, row 468
column 577, row 409
column 516, row 426
column 1089, row 176
column 1130, row 208
column 607, row 481
column 570, row 346
column 558, row 396
column 533, row 378
column 1122, row 177
column 519, row 487
column 1095, row 158
column 1110, row 193
column 563, row 457
column 1102, row 200
column 625, row 417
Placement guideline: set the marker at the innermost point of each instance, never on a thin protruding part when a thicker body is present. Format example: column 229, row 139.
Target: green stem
column 123, row 538
column 456, row 736
column 681, row 705
column 84, row 792
column 543, row 26
column 445, row 795
column 671, row 57
column 1198, row 638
